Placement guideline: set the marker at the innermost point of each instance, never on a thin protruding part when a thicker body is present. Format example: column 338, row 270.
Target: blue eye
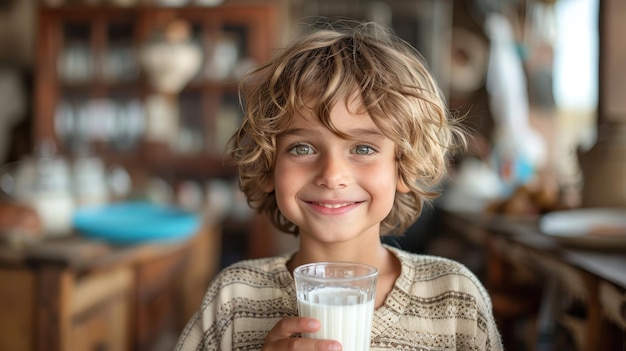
column 301, row 149
column 363, row 150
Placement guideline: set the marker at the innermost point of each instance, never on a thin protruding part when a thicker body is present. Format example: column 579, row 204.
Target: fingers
column 279, row 338
column 290, row 325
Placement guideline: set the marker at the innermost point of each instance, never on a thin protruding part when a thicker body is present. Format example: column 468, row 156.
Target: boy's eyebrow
column 299, row 131
column 356, row 132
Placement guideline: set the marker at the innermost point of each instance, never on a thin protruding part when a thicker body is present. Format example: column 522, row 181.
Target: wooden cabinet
column 73, row 294
column 92, row 93
column 546, row 294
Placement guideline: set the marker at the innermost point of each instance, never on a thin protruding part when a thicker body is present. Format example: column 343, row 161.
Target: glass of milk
column 341, row 296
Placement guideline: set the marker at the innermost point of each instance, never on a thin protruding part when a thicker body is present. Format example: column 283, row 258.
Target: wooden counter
column 516, row 247
column 76, row 294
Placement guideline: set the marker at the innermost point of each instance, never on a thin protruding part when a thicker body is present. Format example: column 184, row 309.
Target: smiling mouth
column 334, row 205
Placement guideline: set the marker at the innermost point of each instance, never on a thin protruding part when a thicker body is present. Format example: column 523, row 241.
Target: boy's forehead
column 310, row 105
column 346, row 118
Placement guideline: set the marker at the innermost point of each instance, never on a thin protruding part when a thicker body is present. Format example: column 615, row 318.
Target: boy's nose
column 333, row 173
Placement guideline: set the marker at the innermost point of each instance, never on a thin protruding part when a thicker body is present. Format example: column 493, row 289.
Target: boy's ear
column 269, row 185
column 401, row 187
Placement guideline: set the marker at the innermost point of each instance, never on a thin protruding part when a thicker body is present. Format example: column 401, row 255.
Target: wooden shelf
column 66, row 32
column 73, row 293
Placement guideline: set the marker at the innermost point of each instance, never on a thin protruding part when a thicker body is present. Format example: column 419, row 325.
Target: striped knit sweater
column 435, row 304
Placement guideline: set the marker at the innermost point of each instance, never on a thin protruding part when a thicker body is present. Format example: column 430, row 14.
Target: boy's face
column 335, row 189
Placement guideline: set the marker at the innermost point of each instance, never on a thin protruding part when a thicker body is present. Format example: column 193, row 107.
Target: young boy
column 344, row 137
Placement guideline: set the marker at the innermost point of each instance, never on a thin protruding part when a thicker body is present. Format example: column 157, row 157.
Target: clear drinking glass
column 341, row 296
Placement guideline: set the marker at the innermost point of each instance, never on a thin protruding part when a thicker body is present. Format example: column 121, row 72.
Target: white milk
column 342, row 318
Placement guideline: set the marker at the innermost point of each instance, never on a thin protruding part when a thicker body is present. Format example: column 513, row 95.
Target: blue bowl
column 136, row 222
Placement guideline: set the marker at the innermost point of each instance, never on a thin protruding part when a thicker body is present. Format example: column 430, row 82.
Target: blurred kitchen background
column 113, row 103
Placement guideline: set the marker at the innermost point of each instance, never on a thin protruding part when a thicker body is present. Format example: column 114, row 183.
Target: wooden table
column 76, row 294
column 596, row 279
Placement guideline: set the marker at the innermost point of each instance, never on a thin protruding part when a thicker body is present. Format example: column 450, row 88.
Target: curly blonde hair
column 330, row 65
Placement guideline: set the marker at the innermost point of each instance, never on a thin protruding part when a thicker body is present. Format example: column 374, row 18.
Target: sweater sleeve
column 492, row 340
column 202, row 331
column 242, row 304
column 436, row 304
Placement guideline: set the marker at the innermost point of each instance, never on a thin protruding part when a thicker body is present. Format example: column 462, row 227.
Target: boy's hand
column 279, row 338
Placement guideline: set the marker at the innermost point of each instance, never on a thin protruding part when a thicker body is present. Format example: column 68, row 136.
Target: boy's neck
column 368, row 252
